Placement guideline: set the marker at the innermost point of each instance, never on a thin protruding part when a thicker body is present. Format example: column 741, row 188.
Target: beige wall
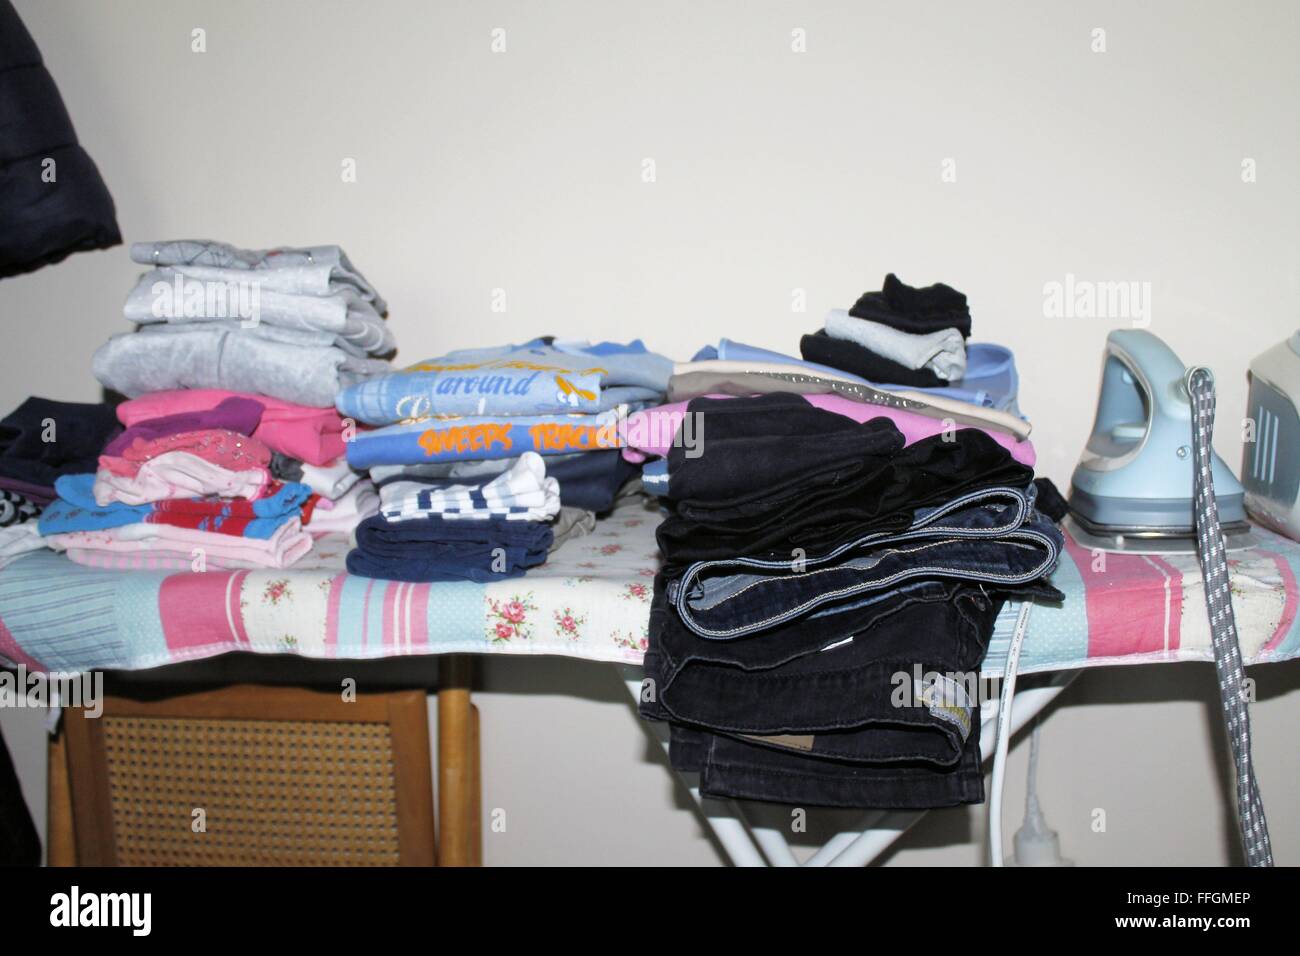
column 775, row 171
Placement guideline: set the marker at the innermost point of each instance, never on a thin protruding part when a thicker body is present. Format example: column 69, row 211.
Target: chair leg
column 476, row 792
column 455, row 762
column 60, row 839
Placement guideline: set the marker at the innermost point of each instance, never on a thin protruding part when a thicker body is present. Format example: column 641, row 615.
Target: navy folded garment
column 41, row 440
column 436, row 549
column 590, row 480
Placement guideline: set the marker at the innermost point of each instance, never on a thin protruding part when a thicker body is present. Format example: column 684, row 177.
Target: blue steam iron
column 1132, row 489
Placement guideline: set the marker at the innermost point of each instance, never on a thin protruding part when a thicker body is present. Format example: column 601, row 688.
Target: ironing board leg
column 457, row 763
column 869, row 844
column 476, row 791
column 837, row 844
column 723, row 816
column 772, row 842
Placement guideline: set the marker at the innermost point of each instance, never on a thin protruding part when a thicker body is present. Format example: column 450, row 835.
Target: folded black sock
column 848, row 356
column 919, row 311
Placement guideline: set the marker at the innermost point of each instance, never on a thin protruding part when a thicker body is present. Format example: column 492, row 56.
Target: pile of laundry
column 293, row 324
column 836, row 551
column 232, row 455
column 899, row 335
column 488, row 459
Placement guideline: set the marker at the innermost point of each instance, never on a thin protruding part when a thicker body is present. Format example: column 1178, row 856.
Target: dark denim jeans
column 879, row 492
column 991, row 536
column 849, row 724
column 736, row 768
column 816, row 675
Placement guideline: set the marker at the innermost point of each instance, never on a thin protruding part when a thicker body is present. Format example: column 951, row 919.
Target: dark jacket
column 47, row 211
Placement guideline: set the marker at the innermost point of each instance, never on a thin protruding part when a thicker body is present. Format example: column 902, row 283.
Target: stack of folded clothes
column 189, row 488
column 834, row 564
column 899, row 335
column 41, row 441
column 441, row 530
column 305, row 445
column 293, row 324
column 524, row 437
column 233, row 454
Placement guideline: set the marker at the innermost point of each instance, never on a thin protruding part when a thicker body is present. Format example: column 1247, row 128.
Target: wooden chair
column 250, row 775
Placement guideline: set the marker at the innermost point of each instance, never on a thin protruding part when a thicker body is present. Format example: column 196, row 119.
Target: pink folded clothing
column 178, row 474
column 137, row 543
column 218, row 446
column 137, row 561
column 312, row 435
column 650, row 433
column 235, row 414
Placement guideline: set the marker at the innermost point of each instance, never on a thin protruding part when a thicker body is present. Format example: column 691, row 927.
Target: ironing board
column 591, row 601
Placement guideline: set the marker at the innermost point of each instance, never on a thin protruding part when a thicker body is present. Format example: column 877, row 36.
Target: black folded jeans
column 830, row 712
column 880, row 493
column 992, row 537
column 738, row 769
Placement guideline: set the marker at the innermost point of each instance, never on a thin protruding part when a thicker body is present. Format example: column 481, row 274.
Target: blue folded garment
column 471, row 439
column 434, row 549
column 536, row 378
column 76, row 510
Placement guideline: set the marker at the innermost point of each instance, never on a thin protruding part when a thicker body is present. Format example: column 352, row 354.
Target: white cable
column 1004, row 734
column 1035, row 843
column 1031, row 794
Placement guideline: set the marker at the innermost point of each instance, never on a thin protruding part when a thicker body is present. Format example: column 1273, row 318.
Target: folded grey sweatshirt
column 194, row 294
column 156, row 359
column 264, row 330
column 309, row 269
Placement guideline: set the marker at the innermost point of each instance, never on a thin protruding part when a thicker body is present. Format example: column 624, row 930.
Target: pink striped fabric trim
column 405, row 605
column 365, row 613
column 392, row 613
column 200, row 610
column 1174, row 582
column 419, row 616
column 1143, row 616
column 332, row 612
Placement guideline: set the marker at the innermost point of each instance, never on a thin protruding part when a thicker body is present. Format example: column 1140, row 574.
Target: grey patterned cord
column 1212, row 554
